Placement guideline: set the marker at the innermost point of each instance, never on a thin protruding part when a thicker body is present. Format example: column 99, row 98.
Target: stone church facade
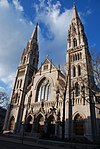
column 45, row 101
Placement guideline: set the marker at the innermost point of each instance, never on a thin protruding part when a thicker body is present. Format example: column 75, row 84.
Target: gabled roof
column 46, row 62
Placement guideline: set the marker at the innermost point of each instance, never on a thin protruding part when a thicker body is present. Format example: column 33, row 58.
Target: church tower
column 80, row 81
column 25, row 74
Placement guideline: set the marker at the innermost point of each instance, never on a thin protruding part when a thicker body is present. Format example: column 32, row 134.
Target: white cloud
column 15, row 31
column 2, row 89
column 56, row 24
column 4, row 3
column 17, row 5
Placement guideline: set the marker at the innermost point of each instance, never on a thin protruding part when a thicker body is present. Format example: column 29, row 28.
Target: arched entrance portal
column 51, row 126
column 12, row 123
column 78, row 125
column 28, row 127
column 40, row 124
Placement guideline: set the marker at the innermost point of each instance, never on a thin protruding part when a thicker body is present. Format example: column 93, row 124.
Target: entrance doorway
column 78, row 125
column 51, row 126
column 40, row 124
column 12, row 123
column 28, row 127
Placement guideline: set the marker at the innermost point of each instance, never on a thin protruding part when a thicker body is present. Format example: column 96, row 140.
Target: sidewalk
column 47, row 144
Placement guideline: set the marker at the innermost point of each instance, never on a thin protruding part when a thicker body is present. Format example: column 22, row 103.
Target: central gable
column 47, row 65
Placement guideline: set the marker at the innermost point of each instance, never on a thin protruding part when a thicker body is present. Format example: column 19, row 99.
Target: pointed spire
column 75, row 14
column 34, row 34
column 33, row 40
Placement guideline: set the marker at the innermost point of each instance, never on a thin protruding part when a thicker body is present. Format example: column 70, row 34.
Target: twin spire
column 75, row 14
column 32, row 42
column 34, row 36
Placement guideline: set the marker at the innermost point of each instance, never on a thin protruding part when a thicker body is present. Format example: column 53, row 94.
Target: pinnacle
column 75, row 14
column 34, row 34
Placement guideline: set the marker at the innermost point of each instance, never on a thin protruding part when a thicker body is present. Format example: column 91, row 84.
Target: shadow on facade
column 52, row 130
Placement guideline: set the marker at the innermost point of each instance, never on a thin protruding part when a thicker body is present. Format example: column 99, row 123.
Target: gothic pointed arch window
column 74, row 42
column 74, row 71
column 43, row 90
column 16, row 97
column 24, row 60
column 17, row 84
column 71, row 58
column 75, row 57
column 78, row 56
column 20, row 83
column 77, row 89
column 79, row 70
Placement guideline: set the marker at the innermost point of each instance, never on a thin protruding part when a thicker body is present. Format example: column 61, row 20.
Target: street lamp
column 64, row 99
column 27, row 108
column 57, row 96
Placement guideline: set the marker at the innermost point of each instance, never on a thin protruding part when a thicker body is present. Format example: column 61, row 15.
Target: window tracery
column 43, row 91
column 79, row 70
column 74, row 71
column 74, row 42
column 77, row 89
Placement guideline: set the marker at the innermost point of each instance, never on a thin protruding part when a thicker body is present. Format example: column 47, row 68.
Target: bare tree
column 93, row 87
column 96, row 66
column 4, row 99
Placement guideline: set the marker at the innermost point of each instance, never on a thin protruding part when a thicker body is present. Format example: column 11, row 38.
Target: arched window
column 71, row 58
column 20, row 83
column 43, row 90
column 77, row 89
column 74, row 42
column 79, row 70
column 47, row 92
column 69, row 43
column 17, row 83
column 16, row 97
column 75, row 57
column 24, row 60
column 74, row 71
column 78, row 57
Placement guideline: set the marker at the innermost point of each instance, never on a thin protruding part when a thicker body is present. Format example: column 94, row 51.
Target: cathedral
column 45, row 101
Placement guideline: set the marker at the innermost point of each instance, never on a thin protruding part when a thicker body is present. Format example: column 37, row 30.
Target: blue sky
column 17, row 21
